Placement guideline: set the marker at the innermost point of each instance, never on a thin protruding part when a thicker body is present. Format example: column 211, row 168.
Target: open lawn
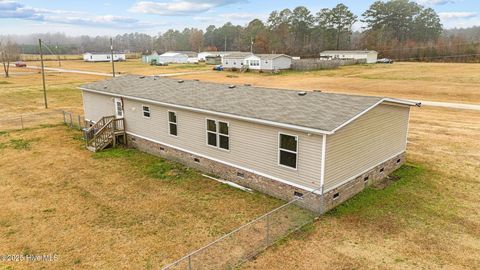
column 423, row 81
column 131, row 66
column 116, row 210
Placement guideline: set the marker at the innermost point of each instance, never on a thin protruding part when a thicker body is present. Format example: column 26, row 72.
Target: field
column 109, row 211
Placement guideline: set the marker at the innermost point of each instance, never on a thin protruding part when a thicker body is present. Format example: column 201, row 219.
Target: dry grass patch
column 424, row 81
column 114, row 209
column 131, row 66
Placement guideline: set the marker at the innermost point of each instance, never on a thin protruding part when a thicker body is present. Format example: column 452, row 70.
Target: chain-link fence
column 74, row 120
column 247, row 241
column 24, row 121
column 32, row 120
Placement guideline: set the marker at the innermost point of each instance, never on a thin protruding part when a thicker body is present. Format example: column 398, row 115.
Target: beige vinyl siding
column 374, row 137
column 252, row 146
column 96, row 106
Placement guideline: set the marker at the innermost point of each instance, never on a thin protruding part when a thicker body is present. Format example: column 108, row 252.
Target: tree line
column 399, row 29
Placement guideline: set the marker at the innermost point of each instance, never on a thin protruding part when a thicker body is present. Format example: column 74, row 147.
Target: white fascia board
column 227, row 115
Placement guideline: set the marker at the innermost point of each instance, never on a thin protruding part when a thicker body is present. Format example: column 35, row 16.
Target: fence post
column 190, row 262
column 79, row 124
column 71, row 120
column 267, row 236
column 21, row 120
column 64, row 118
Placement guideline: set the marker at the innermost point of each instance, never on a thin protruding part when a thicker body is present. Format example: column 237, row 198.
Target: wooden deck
column 105, row 132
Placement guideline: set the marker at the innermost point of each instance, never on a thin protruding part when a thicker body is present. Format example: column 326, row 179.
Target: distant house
column 323, row 147
column 182, row 57
column 103, row 57
column 369, row 56
column 203, row 55
column 213, row 60
column 266, row 62
column 149, row 58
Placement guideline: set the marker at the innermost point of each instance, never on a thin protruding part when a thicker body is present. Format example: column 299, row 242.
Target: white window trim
column 168, row 122
column 149, row 111
column 286, row 150
column 217, row 133
column 119, row 100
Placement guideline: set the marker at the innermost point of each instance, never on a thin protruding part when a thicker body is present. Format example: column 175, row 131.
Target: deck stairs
column 108, row 131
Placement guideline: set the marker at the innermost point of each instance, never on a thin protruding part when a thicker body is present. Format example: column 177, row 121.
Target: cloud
column 456, row 15
column 10, row 9
column 436, row 2
column 179, row 7
column 459, row 19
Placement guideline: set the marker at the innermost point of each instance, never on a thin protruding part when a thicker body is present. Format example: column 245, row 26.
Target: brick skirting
column 311, row 201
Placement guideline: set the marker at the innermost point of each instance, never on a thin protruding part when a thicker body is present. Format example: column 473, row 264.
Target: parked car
column 385, row 61
column 218, row 68
column 20, row 64
column 155, row 63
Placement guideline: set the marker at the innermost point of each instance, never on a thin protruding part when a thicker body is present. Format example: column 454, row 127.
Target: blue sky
column 109, row 17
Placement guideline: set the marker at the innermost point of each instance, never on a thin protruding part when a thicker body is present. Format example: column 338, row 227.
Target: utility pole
column 58, row 56
column 251, row 44
column 43, row 74
column 225, row 42
column 111, row 52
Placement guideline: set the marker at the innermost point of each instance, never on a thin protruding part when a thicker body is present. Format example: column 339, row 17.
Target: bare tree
column 9, row 52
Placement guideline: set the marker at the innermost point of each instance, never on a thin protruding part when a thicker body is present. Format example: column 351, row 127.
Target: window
column 218, row 134
column 172, row 123
column 146, row 111
column 288, row 150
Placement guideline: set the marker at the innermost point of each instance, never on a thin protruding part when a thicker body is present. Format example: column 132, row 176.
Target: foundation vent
column 298, row 194
column 240, row 175
column 336, row 195
column 196, row 160
column 302, row 93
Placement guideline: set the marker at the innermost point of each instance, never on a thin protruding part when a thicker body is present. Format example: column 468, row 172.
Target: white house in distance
column 181, row 57
column 267, row 62
column 103, row 57
column 369, row 56
column 202, row 56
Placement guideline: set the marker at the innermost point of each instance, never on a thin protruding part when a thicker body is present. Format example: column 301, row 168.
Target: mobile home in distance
column 323, row 147
column 264, row 62
column 370, row 57
column 103, row 57
column 180, row 57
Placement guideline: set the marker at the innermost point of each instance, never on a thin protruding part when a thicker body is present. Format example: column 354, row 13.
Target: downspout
column 322, row 168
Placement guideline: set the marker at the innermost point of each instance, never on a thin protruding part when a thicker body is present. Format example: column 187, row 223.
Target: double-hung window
column 172, row 123
column 146, row 111
column 287, row 150
column 218, row 134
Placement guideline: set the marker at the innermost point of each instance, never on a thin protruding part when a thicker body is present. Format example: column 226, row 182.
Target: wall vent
column 382, row 169
column 180, row 81
column 142, row 77
column 302, row 93
column 298, row 194
column 231, row 86
column 196, row 160
column 240, row 175
column 398, row 160
column 247, row 84
column 365, row 178
column 336, row 195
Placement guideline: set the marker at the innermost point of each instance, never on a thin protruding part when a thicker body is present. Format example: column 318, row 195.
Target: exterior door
column 118, row 108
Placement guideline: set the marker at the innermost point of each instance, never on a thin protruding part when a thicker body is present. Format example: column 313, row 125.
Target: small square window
column 146, row 111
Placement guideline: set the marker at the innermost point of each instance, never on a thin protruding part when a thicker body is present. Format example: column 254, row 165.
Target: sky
column 111, row 17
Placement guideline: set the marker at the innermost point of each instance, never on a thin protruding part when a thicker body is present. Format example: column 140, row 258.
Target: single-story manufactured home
column 148, row 58
column 323, row 147
column 369, row 56
column 103, row 57
column 181, row 57
column 203, row 55
column 265, row 62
